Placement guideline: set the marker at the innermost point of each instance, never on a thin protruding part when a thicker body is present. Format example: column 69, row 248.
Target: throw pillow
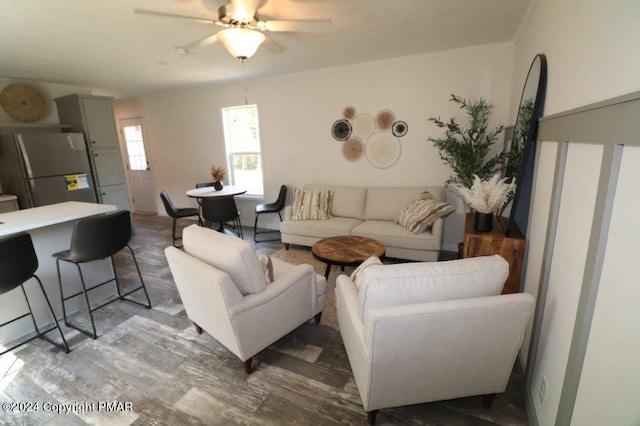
column 267, row 267
column 312, row 205
column 422, row 213
column 357, row 274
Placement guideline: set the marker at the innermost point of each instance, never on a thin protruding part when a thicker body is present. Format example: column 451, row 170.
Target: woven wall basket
column 22, row 102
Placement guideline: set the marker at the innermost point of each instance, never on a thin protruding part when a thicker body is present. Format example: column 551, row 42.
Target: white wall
column 49, row 91
column 611, row 375
column 296, row 113
column 590, row 47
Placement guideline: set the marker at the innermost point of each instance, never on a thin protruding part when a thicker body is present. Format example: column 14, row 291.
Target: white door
column 138, row 166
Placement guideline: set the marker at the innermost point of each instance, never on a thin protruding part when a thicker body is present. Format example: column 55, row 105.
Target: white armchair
column 423, row 332
column 224, row 291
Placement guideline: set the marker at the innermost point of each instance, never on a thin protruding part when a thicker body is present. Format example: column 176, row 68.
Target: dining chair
column 176, row 213
column 96, row 238
column 18, row 264
column 221, row 210
column 274, row 207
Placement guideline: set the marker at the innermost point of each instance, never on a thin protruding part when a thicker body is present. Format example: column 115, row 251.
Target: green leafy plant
column 467, row 150
column 514, row 156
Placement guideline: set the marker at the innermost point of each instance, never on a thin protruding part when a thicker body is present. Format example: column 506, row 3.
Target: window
column 135, row 147
column 242, row 142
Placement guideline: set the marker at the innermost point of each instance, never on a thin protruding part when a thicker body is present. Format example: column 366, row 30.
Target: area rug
column 298, row 256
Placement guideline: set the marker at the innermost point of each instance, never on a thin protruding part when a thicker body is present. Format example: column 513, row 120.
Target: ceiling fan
column 240, row 29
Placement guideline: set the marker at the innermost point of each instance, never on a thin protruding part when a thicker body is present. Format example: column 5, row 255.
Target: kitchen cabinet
column 93, row 115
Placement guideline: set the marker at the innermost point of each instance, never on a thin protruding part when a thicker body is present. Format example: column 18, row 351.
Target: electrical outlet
column 543, row 389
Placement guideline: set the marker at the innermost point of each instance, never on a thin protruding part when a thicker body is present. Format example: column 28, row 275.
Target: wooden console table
column 510, row 247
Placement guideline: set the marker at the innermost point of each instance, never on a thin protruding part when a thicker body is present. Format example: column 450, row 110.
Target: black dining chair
column 221, row 210
column 97, row 238
column 176, row 213
column 18, row 264
column 275, row 207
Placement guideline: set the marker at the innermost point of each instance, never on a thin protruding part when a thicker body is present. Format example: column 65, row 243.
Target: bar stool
column 177, row 212
column 97, row 238
column 18, row 264
column 274, row 207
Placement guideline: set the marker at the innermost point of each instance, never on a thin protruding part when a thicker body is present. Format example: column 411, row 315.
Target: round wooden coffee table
column 346, row 250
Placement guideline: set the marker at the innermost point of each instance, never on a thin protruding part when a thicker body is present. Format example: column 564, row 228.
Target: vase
column 483, row 222
column 217, row 185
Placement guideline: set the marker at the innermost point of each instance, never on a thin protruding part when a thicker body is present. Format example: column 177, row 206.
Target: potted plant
column 486, row 197
column 467, row 150
column 218, row 173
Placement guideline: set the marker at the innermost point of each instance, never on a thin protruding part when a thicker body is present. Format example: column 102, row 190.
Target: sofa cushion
column 356, row 275
column 393, row 235
column 236, row 257
column 408, row 283
column 312, row 205
column 422, row 212
column 267, row 267
column 320, row 228
column 386, row 203
column 348, row 201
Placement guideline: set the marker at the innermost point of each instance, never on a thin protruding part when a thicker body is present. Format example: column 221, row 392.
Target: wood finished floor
column 155, row 360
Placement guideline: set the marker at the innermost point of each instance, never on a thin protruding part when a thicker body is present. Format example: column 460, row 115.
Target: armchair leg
column 247, row 366
column 371, row 417
column 286, row 246
column 317, row 317
column 198, row 328
column 487, row 400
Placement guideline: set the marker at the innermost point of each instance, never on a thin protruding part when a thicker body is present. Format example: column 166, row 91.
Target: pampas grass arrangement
column 487, row 196
column 218, row 173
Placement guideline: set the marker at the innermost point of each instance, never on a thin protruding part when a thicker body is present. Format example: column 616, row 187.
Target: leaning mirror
column 522, row 150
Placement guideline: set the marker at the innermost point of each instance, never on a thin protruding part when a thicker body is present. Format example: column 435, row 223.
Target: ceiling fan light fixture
column 241, row 43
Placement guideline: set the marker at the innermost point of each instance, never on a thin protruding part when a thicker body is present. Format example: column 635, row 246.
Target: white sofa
column 369, row 212
column 423, row 332
column 225, row 292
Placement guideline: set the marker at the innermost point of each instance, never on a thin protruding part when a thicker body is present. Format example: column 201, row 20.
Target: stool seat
column 97, row 238
column 18, row 264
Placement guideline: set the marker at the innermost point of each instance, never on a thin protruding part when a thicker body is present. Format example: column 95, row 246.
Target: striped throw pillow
column 312, row 205
column 422, row 212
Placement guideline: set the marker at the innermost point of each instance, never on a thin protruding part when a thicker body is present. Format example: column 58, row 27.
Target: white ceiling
column 102, row 44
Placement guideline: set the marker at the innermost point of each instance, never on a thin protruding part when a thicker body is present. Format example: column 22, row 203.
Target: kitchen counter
column 39, row 217
column 51, row 228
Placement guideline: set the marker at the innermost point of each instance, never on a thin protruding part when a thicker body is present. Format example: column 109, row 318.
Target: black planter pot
column 483, row 222
column 217, row 185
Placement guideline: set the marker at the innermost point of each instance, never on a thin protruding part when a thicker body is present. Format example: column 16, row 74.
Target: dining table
column 211, row 192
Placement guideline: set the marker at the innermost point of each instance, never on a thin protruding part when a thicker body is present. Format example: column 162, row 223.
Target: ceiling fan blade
column 321, row 26
column 272, row 46
column 203, row 42
column 174, row 15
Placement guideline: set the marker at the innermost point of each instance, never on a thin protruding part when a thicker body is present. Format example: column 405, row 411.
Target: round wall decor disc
column 363, row 126
column 383, row 150
column 384, row 119
column 353, row 149
column 349, row 112
column 22, row 102
column 400, row 128
column 341, row 130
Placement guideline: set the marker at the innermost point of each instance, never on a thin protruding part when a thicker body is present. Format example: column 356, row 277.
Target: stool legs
column 41, row 334
column 121, row 296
